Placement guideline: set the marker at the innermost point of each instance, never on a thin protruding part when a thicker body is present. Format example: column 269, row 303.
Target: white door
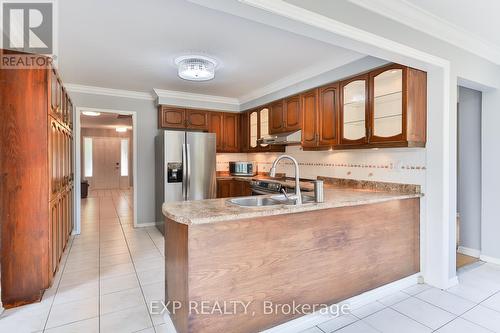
column 106, row 163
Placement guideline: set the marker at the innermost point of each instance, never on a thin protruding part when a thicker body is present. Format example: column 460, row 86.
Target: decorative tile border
column 389, row 166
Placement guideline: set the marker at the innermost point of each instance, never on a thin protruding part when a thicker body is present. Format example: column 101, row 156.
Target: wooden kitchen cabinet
column 197, row 119
column 309, row 105
column 226, row 126
column 244, row 134
column 231, row 132
column 386, row 107
column 328, row 111
column 258, row 127
column 354, row 111
column 277, row 117
column 293, row 114
column 170, row 117
column 398, row 99
column 285, row 115
column 320, row 109
column 228, row 188
column 37, row 220
column 181, row 118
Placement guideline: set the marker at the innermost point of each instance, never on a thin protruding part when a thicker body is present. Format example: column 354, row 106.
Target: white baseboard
column 308, row 321
column 469, row 252
column 491, row 260
column 143, row 225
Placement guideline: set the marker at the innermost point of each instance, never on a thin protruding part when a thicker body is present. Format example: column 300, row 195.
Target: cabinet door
column 263, row 121
column 244, row 135
column 328, row 115
column 243, row 188
column 197, row 119
column 276, row 117
column 354, row 111
column 171, row 117
column 309, row 106
column 215, row 125
column 293, row 116
column 230, row 132
column 53, row 236
column 53, row 157
column 60, row 232
column 55, row 93
column 388, row 107
column 224, row 188
column 253, row 129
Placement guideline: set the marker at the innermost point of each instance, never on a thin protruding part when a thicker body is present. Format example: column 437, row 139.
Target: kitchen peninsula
column 364, row 235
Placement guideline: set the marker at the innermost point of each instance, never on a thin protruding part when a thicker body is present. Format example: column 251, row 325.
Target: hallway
column 107, row 276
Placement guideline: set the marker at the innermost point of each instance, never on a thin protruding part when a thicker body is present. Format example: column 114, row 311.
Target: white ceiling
column 479, row 17
column 470, row 25
column 131, row 45
column 105, row 120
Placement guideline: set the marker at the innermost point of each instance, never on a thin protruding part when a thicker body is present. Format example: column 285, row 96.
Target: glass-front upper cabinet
column 264, row 124
column 354, row 110
column 386, row 112
column 254, row 126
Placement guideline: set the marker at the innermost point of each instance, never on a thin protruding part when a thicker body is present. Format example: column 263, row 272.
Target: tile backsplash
column 401, row 165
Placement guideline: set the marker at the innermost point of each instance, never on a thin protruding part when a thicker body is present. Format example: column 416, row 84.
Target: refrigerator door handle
column 188, row 171
column 184, row 173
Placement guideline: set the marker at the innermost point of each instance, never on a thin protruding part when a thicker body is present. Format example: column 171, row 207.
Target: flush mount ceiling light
column 91, row 113
column 196, row 67
column 121, row 129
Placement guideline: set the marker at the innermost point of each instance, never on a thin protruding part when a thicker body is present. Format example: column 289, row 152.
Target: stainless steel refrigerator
column 185, row 168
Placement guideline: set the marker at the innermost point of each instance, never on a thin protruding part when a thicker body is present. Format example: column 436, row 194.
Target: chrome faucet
column 272, row 173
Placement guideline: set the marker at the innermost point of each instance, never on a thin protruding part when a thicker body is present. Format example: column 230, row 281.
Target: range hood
column 289, row 138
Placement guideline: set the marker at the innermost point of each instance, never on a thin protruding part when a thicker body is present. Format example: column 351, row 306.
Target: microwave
column 242, row 168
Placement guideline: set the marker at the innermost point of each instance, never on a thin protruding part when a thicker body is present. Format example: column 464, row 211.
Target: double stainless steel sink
column 277, row 200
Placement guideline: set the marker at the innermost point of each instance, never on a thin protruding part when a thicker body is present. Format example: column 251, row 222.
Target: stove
column 260, row 187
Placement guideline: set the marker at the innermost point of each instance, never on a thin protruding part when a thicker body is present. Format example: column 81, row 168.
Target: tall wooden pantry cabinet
column 36, row 180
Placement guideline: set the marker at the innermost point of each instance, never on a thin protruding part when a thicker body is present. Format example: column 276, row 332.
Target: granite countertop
column 337, row 193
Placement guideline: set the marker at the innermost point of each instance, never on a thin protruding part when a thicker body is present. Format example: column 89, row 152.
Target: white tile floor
column 111, row 271
column 106, row 277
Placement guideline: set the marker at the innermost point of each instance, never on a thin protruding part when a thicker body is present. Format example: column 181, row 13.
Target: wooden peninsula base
column 314, row 257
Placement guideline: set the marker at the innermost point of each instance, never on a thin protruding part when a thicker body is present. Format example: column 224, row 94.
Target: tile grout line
column 415, row 320
column 58, row 283
column 133, row 264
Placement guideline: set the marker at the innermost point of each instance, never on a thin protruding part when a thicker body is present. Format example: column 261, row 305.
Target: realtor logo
column 28, row 27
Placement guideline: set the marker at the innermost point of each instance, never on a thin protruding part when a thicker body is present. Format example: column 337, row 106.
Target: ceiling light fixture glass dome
column 196, row 68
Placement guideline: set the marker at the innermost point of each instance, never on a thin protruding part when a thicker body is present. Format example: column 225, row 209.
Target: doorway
column 106, row 165
column 468, row 177
column 110, row 157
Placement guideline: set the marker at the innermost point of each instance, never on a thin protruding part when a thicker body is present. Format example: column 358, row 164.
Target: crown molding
column 78, row 88
column 172, row 94
column 419, row 19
